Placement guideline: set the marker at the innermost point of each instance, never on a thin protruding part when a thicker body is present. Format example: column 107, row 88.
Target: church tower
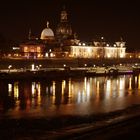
column 63, row 30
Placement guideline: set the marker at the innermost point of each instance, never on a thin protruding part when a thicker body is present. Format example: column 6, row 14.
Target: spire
column 30, row 33
column 47, row 24
column 64, row 15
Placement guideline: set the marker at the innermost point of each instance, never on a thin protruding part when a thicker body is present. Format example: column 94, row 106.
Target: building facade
column 63, row 43
column 98, row 50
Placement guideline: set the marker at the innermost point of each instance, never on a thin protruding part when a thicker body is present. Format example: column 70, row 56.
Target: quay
column 54, row 73
column 56, row 68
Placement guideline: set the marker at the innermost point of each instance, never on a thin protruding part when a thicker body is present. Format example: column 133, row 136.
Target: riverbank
column 64, row 127
column 63, row 73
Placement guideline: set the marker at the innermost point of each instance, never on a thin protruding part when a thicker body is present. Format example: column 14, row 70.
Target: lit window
column 25, row 49
column 38, row 49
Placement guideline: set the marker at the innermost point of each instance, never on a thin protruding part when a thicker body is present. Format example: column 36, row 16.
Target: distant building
column 50, row 44
column 64, row 43
column 32, row 49
column 99, row 50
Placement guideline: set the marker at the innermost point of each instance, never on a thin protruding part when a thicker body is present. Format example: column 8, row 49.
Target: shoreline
column 56, row 74
column 65, row 126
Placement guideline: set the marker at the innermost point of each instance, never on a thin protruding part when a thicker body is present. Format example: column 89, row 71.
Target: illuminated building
column 32, row 49
column 65, row 44
column 99, row 50
column 47, row 34
column 64, row 33
column 50, row 44
column 63, row 30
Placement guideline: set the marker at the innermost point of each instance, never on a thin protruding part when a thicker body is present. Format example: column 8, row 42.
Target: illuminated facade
column 99, row 50
column 65, row 44
column 47, row 34
column 32, row 49
column 63, row 30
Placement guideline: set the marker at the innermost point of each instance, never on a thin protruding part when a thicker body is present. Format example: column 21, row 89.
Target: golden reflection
column 121, row 83
column 136, row 80
column 88, row 91
column 53, row 88
column 85, row 83
column 98, row 91
column 108, row 88
column 9, row 89
column 63, row 86
column 121, row 86
column 130, row 83
column 16, row 90
column 139, row 82
column 70, row 89
column 33, row 89
column 53, row 91
column 38, row 88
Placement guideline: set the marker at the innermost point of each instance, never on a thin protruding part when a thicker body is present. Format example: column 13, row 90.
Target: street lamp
column 9, row 67
column 32, row 67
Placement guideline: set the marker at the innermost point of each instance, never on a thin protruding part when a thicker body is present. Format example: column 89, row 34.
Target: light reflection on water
column 73, row 96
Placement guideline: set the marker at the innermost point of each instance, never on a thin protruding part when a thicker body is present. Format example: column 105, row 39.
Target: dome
column 47, row 33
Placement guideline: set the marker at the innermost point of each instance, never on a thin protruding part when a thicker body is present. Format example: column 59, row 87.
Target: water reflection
column 82, row 95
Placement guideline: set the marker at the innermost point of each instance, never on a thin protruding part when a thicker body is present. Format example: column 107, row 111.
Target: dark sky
column 89, row 18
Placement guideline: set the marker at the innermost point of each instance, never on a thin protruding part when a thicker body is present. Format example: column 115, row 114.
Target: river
column 71, row 96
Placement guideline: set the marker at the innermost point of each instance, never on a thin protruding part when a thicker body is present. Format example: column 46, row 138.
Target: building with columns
column 99, row 50
column 64, row 43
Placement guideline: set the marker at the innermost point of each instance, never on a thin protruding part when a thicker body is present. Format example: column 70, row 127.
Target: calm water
column 73, row 96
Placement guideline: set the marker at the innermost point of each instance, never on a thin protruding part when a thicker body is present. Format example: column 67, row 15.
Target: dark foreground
column 113, row 125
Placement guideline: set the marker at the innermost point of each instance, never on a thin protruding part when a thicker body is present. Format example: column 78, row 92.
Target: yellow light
column 98, row 91
column 139, row 82
column 33, row 89
column 51, row 54
column 46, row 55
column 53, row 88
column 38, row 49
column 10, row 66
column 10, row 89
column 32, row 67
column 89, row 50
column 130, row 83
column 63, row 86
column 108, row 56
column 16, row 90
column 83, row 44
column 85, row 65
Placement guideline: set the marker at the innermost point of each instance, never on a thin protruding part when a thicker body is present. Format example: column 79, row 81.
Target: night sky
column 89, row 19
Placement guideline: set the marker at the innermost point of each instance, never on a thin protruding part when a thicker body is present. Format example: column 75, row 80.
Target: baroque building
column 99, row 49
column 63, row 30
column 64, row 43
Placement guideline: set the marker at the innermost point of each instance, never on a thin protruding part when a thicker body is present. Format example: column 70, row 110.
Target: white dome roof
column 47, row 33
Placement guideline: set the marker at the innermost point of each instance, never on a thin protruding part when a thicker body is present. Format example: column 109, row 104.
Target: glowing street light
column 85, row 65
column 79, row 44
column 83, row 44
column 32, row 67
column 9, row 67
